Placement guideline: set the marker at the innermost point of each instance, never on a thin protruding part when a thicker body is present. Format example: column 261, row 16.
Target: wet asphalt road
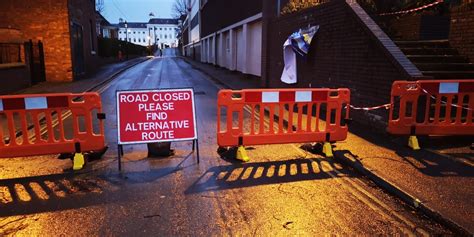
column 283, row 191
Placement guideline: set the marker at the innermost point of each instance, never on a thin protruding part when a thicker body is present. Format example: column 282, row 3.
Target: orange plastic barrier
column 432, row 107
column 295, row 116
column 41, row 124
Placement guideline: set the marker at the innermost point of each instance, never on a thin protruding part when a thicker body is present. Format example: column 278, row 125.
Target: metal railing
column 10, row 53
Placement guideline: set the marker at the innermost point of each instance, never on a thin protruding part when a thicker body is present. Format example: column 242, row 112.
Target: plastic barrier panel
column 432, row 107
column 277, row 116
column 50, row 124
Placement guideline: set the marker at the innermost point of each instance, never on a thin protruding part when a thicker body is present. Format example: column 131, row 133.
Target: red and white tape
column 414, row 9
column 446, row 103
column 385, row 106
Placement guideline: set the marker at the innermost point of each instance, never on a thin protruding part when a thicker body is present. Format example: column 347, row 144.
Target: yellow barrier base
column 242, row 154
column 413, row 143
column 327, row 150
column 78, row 161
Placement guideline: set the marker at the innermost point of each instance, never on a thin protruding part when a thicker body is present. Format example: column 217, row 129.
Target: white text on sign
column 156, row 115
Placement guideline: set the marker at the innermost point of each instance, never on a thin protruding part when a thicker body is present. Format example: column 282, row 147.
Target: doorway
column 77, row 50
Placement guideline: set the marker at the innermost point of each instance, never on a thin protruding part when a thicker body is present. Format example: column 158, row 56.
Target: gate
column 35, row 59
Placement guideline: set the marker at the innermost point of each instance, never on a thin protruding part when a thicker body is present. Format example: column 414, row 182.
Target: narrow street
column 284, row 190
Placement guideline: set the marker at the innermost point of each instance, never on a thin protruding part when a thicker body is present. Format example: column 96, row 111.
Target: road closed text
column 153, row 116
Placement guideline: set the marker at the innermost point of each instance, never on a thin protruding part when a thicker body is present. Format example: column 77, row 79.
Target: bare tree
column 181, row 8
column 99, row 6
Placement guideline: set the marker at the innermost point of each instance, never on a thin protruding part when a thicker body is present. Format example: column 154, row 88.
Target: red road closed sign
column 146, row 116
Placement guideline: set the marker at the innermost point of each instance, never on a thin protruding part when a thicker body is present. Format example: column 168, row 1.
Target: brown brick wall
column 49, row 21
column 461, row 34
column 406, row 27
column 45, row 20
column 14, row 79
column 344, row 53
column 297, row 5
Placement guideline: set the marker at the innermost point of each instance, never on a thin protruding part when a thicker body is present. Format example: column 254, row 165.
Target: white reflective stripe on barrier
column 36, row 103
column 1, row 105
column 449, row 87
column 270, row 97
column 303, row 96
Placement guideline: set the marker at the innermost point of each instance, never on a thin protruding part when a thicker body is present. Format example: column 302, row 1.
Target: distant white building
column 161, row 32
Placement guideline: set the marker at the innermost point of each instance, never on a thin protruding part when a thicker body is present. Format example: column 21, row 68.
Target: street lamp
column 149, row 37
column 150, row 51
column 126, row 39
column 154, row 31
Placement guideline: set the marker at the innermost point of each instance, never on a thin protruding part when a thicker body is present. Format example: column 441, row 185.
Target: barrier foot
column 327, row 150
column 242, row 154
column 78, row 161
column 413, row 143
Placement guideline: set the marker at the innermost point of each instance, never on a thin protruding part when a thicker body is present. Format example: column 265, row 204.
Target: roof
column 101, row 19
column 156, row 21
column 133, row 25
column 163, row 21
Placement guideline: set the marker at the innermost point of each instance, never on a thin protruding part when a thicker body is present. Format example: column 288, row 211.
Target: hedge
column 111, row 47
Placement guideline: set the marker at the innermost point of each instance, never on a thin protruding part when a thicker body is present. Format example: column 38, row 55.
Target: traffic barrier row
column 278, row 116
column 293, row 116
column 431, row 107
column 35, row 125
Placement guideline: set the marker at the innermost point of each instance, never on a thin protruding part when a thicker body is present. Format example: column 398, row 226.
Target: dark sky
column 136, row 10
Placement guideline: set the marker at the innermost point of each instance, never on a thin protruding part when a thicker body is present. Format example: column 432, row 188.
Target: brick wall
column 45, row 20
column 461, row 34
column 349, row 51
column 297, row 5
column 13, row 78
column 49, row 21
column 8, row 35
column 406, row 27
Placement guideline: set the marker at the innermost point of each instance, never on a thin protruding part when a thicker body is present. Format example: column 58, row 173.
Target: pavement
column 438, row 180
